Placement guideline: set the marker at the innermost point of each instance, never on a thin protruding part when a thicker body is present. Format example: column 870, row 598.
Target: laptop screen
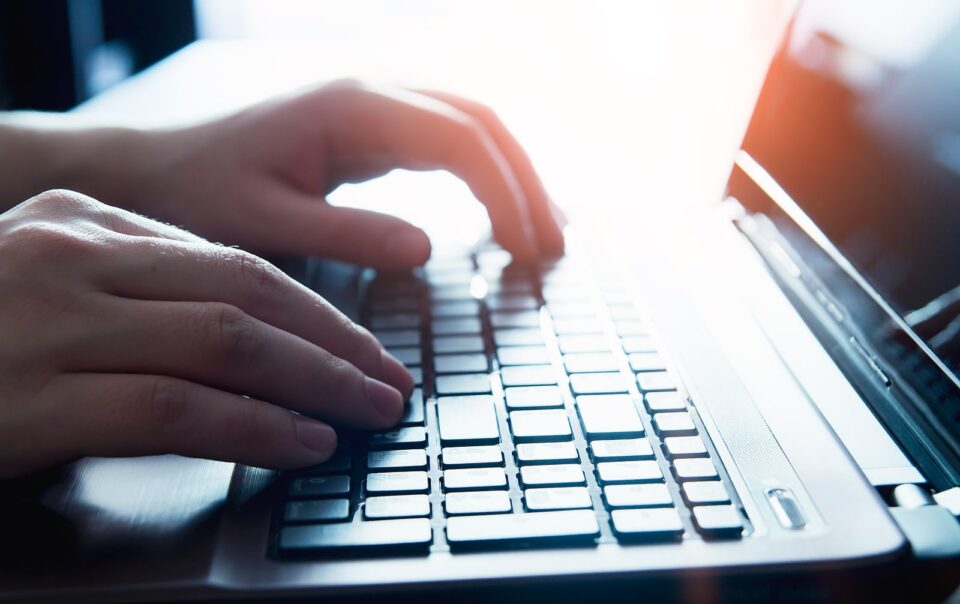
column 859, row 121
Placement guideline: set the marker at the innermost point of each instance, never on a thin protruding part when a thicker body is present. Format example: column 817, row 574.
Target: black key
column 528, row 375
column 457, row 344
column 647, row 361
column 718, row 521
column 397, row 482
column 468, row 420
column 517, row 337
column 598, row 383
column 652, row 381
column 647, row 524
column 477, row 502
column 399, row 459
column 533, row 397
column 633, row 344
column 413, row 533
column 322, row 510
column 459, row 308
column 340, row 462
column 408, row 355
column 413, row 414
column 467, row 383
column 568, row 526
column 678, row 423
column 403, row 438
column 695, row 469
column 590, row 362
column 540, row 425
column 609, row 416
column 460, row 363
column 396, row 506
column 456, row 326
column 395, row 320
column 399, row 337
column 637, row 495
column 523, row 355
column 557, row 498
column 320, row 486
column 664, row 401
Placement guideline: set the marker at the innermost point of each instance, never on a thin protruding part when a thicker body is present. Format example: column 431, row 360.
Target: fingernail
column 316, row 436
column 408, row 247
column 396, row 373
column 386, row 399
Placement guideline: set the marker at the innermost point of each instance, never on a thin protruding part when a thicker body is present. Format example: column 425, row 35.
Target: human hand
column 258, row 178
column 123, row 336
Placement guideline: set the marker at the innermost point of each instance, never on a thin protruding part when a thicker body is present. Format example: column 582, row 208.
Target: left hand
column 259, row 178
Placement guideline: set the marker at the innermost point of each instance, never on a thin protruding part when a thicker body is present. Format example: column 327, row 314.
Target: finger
column 223, row 347
column 353, row 235
column 185, row 272
column 128, row 415
column 547, row 219
column 421, row 133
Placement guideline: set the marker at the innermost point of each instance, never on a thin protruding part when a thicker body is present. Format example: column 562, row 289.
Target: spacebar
column 379, row 534
column 544, row 527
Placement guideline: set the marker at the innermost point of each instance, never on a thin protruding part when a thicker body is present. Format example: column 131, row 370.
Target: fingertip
column 316, row 436
column 386, row 401
column 396, row 374
column 406, row 248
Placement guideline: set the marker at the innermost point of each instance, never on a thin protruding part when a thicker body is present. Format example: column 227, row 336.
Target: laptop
column 720, row 401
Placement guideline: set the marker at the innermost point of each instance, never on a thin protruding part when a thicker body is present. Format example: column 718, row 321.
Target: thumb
column 306, row 226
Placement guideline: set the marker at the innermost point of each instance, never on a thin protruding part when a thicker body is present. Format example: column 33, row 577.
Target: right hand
column 124, row 336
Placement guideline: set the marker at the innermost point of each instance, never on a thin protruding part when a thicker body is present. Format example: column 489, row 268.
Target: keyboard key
column 468, row 383
column 408, row 355
column 621, row 450
column 503, row 301
column 477, row 502
column 517, row 337
column 468, row 420
column 457, row 344
column 647, row 524
column 396, row 506
column 632, row 344
column 395, row 304
column 456, row 326
column 381, row 534
column 474, row 479
column 320, row 486
column 609, row 416
column 590, row 362
column 597, row 383
column 588, row 343
column 397, row 482
column 568, row 310
column 629, row 471
column 463, row 457
column 395, row 320
column 637, row 495
column 531, row 453
column 575, row 327
column 511, row 319
column 651, row 381
column 400, row 337
column 695, row 469
column 540, row 425
column 401, row 459
column 567, row 526
column 417, row 374
column 532, row 397
column 455, row 292
column 562, row 498
column 523, row 355
column 402, row 438
column 564, row 292
column 460, row 363
column 413, row 414
column 552, row 475
column 646, row 361
column 528, row 375
column 340, row 462
column 323, row 510
column 684, row 446
column 710, row 492
column 674, row 424
column 664, row 401
column 623, row 312
column 459, row 308
column 631, row 328
column 718, row 521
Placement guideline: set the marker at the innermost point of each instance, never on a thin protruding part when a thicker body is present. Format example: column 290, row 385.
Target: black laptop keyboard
column 544, row 414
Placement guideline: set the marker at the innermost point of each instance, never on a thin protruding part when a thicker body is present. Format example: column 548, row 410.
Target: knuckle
column 345, row 86
column 61, row 199
column 235, row 333
column 165, row 403
column 262, row 281
column 39, row 240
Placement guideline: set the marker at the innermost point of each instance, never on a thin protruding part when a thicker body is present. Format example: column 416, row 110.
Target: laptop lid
column 852, row 159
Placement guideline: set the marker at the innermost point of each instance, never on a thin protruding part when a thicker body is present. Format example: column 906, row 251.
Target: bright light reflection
column 479, row 287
